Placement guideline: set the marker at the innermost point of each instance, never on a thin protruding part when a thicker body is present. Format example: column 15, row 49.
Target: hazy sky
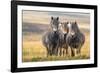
column 44, row 17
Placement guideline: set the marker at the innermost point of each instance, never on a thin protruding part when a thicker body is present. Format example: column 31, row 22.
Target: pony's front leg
column 66, row 50
column 48, row 52
column 79, row 51
column 60, row 51
column 56, row 51
column 72, row 52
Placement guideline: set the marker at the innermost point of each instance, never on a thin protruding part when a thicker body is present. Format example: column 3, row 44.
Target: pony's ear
column 70, row 22
column 75, row 22
column 57, row 18
column 52, row 18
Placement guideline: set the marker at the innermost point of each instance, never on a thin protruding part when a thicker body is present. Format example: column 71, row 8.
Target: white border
column 53, row 63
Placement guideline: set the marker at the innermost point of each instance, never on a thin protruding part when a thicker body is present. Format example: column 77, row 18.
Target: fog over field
column 38, row 21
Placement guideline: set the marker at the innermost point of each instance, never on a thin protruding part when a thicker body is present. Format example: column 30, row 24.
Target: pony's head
column 64, row 27
column 73, row 28
column 55, row 23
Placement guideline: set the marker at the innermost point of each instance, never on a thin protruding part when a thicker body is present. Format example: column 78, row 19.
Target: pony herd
column 61, row 37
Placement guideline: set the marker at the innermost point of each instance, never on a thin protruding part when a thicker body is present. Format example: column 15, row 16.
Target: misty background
column 38, row 22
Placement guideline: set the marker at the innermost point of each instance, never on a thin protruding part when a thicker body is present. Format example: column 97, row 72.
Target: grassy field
column 33, row 50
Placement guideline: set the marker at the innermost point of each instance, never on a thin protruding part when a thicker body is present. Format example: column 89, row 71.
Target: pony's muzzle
column 72, row 33
column 54, row 29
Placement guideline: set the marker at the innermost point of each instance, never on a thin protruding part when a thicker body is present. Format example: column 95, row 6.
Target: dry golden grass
column 33, row 50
